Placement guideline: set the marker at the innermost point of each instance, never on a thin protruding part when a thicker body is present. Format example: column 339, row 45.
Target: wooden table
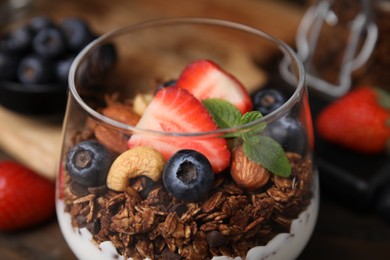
column 340, row 233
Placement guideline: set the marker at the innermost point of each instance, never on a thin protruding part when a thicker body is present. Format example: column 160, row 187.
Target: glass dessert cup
column 154, row 168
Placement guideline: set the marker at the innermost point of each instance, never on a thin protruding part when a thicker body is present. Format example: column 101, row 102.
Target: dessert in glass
column 180, row 143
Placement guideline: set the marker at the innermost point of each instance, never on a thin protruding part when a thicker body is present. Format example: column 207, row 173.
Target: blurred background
column 354, row 219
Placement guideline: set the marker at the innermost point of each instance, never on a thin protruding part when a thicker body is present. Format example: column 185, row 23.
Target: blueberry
column 88, row 163
column 267, row 100
column 39, row 23
column 49, row 43
column 289, row 133
column 165, row 84
column 18, row 41
column 62, row 69
column 8, row 66
column 188, row 176
column 35, row 70
column 78, row 33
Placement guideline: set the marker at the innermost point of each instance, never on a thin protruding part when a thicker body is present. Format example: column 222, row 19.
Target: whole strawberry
column 26, row 198
column 359, row 121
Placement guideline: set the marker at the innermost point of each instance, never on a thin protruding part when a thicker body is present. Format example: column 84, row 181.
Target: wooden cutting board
column 36, row 141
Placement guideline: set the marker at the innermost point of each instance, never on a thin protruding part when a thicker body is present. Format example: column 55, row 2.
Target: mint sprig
column 261, row 149
column 224, row 114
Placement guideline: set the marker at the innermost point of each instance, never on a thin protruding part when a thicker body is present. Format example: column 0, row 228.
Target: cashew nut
column 141, row 101
column 138, row 161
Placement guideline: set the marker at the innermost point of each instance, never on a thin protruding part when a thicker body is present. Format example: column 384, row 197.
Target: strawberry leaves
column 261, row 149
column 383, row 98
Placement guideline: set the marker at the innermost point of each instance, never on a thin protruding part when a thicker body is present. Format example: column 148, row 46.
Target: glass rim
column 282, row 46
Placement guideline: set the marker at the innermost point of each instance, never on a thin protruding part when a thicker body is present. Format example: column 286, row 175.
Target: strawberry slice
column 205, row 79
column 176, row 110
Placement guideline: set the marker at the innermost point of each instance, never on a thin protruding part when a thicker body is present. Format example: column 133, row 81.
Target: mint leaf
column 269, row 153
column 224, row 114
column 256, row 129
column 250, row 116
column 261, row 149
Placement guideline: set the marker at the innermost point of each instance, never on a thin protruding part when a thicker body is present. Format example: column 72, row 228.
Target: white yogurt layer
column 283, row 246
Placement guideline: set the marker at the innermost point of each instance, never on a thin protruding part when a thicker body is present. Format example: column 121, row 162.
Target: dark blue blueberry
column 267, row 100
column 188, row 176
column 88, row 163
column 165, row 84
column 62, row 69
column 39, row 23
column 49, row 43
column 35, row 70
column 8, row 66
column 18, row 41
column 289, row 133
column 77, row 32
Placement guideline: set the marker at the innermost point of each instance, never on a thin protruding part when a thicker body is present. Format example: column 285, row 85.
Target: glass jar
column 344, row 44
column 145, row 173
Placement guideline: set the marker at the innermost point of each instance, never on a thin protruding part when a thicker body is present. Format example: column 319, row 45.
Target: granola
column 145, row 221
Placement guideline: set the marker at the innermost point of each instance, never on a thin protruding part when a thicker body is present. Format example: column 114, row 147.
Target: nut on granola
column 247, row 173
column 121, row 112
column 135, row 162
column 141, row 101
column 113, row 139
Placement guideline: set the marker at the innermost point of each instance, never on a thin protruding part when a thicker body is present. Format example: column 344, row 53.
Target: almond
column 122, row 113
column 114, row 139
column 247, row 173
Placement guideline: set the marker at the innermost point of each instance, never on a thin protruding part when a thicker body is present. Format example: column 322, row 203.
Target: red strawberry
column 26, row 198
column 205, row 79
column 359, row 121
column 175, row 110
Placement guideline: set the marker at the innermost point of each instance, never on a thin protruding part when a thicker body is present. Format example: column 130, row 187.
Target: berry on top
column 174, row 109
column 289, row 133
column 205, row 79
column 88, row 163
column 267, row 100
column 188, row 175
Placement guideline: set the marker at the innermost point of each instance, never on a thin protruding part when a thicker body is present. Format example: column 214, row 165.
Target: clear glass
column 143, row 219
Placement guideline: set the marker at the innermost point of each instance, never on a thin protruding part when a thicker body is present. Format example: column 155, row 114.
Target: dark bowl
column 43, row 99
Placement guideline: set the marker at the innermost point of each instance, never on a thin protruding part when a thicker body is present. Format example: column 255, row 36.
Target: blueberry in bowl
column 35, row 59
